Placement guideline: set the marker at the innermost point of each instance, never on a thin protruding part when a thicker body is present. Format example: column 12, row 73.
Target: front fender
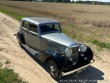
column 57, row 57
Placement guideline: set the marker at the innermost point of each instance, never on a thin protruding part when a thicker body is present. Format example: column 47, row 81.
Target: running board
column 78, row 69
column 32, row 51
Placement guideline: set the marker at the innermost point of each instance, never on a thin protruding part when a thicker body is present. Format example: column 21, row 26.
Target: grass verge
column 101, row 44
column 12, row 14
column 8, row 76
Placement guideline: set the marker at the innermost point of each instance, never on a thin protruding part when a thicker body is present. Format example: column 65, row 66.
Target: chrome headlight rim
column 68, row 52
column 83, row 48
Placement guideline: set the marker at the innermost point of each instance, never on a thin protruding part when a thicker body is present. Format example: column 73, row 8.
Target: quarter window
column 33, row 27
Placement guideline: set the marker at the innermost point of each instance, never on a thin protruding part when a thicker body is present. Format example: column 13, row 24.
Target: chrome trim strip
column 70, row 72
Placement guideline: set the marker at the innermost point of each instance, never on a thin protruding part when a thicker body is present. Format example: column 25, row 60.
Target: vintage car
column 44, row 39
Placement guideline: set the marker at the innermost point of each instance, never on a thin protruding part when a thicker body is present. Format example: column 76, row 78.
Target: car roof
column 40, row 20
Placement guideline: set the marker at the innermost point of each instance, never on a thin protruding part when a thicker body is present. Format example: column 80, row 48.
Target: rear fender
column 20, row 37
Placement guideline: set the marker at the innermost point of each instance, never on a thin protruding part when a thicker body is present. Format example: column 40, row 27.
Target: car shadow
column 90, row 75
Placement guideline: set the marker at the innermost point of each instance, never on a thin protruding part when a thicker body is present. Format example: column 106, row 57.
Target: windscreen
column 50, row 28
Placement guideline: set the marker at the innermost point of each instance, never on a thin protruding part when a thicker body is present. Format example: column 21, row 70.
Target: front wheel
column 54, row 70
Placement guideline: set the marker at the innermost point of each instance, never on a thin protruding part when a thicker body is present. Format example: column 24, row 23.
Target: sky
column 96, row 0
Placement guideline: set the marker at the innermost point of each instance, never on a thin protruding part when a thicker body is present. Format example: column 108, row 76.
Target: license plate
column 81, row 70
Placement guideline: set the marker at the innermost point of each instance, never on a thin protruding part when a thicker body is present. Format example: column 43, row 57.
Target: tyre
column 54, row 70
column 20, row 39
column 20, row 43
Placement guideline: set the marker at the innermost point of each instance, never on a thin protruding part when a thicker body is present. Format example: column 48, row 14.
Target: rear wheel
column 19, row 40
column 54, row 70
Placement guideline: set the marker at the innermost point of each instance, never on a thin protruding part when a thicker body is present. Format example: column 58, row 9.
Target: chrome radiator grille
column 75, row 52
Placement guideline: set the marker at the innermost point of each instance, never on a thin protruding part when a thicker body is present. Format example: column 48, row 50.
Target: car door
column 34, row 40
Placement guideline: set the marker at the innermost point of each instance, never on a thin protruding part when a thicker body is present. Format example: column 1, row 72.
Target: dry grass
column 82, row 22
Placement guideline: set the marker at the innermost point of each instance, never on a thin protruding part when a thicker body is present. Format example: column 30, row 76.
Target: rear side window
column 25, row 24
column 33, row 27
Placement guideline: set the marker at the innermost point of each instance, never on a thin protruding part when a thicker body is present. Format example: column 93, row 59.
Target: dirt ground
column 31, row 69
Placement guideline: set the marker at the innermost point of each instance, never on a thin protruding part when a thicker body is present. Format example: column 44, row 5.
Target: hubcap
column 53, row 68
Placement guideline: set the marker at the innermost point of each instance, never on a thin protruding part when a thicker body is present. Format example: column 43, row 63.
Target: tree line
column 45, row 0
column 56, row 0
column 68, row 1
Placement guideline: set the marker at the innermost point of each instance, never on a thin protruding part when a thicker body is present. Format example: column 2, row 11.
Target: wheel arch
column 21, row 38
column 57, row 58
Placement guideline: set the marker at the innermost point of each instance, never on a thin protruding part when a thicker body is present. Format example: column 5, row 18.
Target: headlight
column 83, row 48
column 68, row 52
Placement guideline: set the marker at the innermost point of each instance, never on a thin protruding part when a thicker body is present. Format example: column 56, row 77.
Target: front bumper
column 80, row 68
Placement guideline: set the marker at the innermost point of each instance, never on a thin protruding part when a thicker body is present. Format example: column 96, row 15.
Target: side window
column 57, row 27
column 33, row 27
column 25, row 24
